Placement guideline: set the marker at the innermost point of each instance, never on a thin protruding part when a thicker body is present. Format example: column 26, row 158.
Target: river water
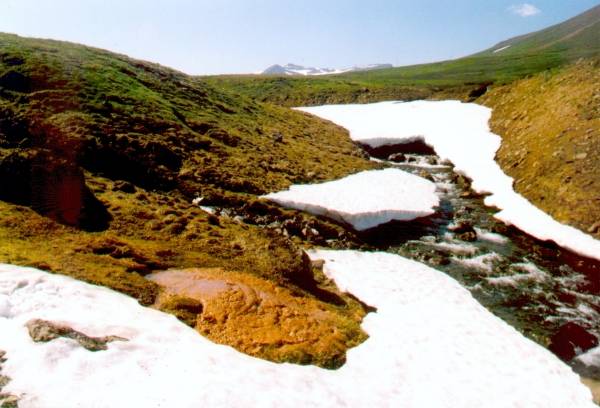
column 534, row 286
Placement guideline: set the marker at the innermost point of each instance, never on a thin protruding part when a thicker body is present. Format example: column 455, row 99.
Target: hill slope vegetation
column 550, row 127
column 101, row 157
column 461, row 78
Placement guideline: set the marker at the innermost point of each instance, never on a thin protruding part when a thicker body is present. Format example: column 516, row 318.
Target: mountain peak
column 295, row 69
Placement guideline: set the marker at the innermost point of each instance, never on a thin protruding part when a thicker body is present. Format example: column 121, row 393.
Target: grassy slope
column 529, row 54
column 78, row 124
column 550, row 127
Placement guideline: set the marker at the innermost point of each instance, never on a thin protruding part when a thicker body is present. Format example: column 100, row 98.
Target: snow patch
column 364, row 200
column 501, row 49
column 294, row 69
column 207, row 209
column 430, row 344
column 459, row 132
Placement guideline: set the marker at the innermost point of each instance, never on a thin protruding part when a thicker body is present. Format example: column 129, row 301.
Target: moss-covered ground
column 101, row 157
column 550, row 128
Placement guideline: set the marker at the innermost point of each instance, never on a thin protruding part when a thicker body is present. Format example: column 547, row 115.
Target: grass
column 550, row 127
column 527, row 55
column 455, row 78
column 100, row 159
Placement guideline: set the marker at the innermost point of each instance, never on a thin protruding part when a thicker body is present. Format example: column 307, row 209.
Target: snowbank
column 460, row 133
column 364, row 200
column 431, row 345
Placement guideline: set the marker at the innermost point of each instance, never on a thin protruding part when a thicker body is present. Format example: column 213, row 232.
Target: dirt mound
column 259, row 318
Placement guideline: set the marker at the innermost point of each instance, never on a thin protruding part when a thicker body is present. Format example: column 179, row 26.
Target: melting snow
column 590, row 358
column 490, row 236
column 431, row 344
column 485, row 262
column 364, row 200
column 457, row 247
column 531, row 274
column 460, row 133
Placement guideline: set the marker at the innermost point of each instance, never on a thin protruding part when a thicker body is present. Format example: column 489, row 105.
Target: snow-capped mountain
column 294, row 69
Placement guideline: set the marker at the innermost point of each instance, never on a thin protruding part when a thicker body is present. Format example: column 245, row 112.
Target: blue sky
column 235, row 36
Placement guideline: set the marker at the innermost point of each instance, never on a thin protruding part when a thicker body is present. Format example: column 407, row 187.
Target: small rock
column 467, row 236
column 397, row 157
column 570, row 340
column 594, row 228
column 141, row 197
column 277, row 137
column 426, row 175
column 462, row 227
column 464, row 231
column 213, row 220
column 124, row 186
column 293, row 226
column 317, row 263
column 42, row 331
column 580, row 156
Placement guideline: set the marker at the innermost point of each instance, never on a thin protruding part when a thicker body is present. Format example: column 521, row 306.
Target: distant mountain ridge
column 508, row 60
column 294, row 69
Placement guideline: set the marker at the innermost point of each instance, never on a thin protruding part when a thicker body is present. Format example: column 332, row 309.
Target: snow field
column 431, row 345
column 458, row 132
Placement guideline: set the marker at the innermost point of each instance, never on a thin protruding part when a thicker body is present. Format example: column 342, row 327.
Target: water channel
column 533, row 285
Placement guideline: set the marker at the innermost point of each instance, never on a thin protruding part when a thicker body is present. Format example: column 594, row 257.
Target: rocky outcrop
column 417, row 146
column 464, row 231
column 397, row 157
column 570, row 340
column 52, row 186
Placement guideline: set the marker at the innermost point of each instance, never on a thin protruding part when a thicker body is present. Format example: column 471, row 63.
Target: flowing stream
column 534, row 286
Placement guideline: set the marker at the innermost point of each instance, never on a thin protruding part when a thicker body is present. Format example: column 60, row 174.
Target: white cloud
column 524, row 10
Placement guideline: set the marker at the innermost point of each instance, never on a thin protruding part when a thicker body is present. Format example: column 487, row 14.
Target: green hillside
column 574, row 38
column 100, row 159
column 552, row 47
